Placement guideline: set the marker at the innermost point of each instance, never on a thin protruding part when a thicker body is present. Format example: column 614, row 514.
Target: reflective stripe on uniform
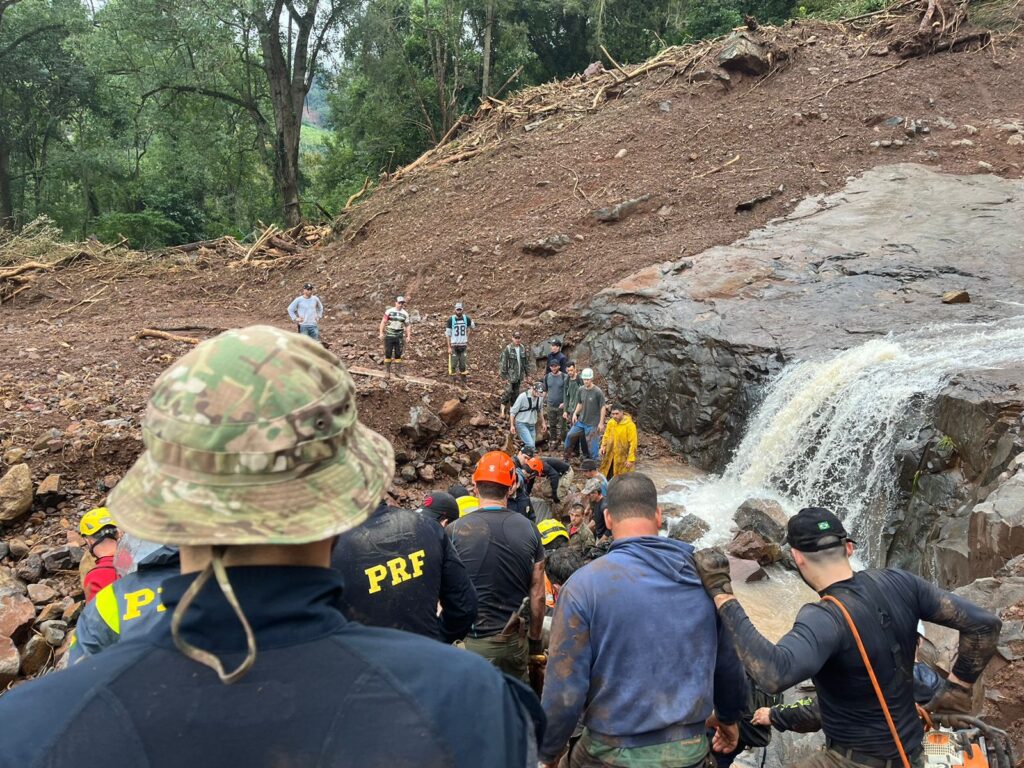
column 106, row 605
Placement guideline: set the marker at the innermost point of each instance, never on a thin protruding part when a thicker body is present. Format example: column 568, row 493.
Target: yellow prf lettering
column 136, row 600
column 398, row 572
column 376, row 574
column 416, row 558
column 160, row 608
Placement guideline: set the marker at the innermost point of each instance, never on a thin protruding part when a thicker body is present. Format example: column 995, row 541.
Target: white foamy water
column 826, row 432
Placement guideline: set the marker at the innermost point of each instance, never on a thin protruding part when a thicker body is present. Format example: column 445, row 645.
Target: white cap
column 587, row 374
column 399, row 299
column 458, row 305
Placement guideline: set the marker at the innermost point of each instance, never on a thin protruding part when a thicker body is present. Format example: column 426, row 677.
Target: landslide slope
column 74, row 377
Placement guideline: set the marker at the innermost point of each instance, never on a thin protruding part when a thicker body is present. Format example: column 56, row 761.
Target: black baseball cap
column 307, row 287
column 588, row 465
column 813, row 529
column 441, row 506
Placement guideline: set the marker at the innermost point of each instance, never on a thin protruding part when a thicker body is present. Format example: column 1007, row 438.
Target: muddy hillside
column 579, row 209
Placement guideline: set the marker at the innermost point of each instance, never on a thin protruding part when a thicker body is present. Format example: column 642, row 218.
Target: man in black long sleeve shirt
column 396, row 567
column 885, row 605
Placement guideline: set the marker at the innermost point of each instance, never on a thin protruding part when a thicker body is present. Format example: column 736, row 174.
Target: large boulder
column 16, row 613
column 996, row 530
column 15, row 492
column 452, row 412
column 764, row 517
column 10, row 661
column 424, row 426
column 688, row 345
column 687, row 528
column 744, row 54
column 748, row 545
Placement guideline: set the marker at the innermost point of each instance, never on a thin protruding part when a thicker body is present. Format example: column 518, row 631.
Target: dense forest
column 167, row 121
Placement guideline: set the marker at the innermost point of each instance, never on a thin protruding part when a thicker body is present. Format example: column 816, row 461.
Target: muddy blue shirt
column 637, row 651
column 323, row 691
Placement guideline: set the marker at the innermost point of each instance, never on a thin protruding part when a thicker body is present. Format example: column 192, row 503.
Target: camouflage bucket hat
column 253, row 438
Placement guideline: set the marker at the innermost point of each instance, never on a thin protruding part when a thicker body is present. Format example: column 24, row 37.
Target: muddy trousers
column 831, row 758
column 578, row 757
column 556, row 425
column 509, row 653
column 458, row 362
column 511, row 393
column 393, row 349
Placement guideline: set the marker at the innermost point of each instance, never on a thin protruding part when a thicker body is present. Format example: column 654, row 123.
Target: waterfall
column 826, row 431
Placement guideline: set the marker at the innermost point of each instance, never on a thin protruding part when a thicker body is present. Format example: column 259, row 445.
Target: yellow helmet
column 467, row 504
column 551, row 530
column 95, row 520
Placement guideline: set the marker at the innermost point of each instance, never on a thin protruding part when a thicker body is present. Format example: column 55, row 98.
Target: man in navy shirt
column 885, row 606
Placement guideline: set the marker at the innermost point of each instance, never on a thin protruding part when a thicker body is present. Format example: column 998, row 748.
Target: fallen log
column 152, row 333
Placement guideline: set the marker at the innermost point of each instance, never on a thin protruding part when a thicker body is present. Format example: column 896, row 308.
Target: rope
column 874, row 680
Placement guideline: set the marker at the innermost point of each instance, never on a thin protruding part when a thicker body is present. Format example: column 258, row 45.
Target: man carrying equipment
column 857, row 645
column 306, row 311
column 456, row 330
column 395, row 331
column 255, row 461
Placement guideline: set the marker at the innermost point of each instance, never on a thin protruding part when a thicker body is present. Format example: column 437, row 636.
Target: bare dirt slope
column 696, row 145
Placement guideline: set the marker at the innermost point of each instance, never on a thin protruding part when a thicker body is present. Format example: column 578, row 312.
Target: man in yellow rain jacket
column 618, row 446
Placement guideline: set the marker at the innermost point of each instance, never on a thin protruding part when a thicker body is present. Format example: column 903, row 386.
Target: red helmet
column 495, row 467
column 536, row 465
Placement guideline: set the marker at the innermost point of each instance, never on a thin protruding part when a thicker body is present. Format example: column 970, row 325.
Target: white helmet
column 587, row 374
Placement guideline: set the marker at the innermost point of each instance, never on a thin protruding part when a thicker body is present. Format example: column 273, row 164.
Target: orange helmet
column 495, row 467
column 536, row 465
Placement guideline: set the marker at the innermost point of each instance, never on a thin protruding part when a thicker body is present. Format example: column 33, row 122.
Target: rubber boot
column 387, row 371
column 398, row 371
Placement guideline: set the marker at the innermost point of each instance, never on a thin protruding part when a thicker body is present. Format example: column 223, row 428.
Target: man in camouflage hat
column 255, row 461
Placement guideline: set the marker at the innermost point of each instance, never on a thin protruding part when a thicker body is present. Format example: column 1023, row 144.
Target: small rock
column 13, row 456
column 4, row 550
column 961, row 143
column 34, row 655
column 408, row 473
column 665, row 106
column 16, row 612
column 886, row 143
column 115, row 423
column 621, row 153
column 971, row 130
column 41, row 593
column 796, row 118
column 1016, row 140
column 15, row 492
column 10, row 661
column 426, row 473
column 10, row 584
column 72, row 611
column 688, row 528
column 50, row 486
column 479, row 420
column 452, row 412
column 403, row 456
column 450, row 468
column 956, row 297
column 50, row 612
column 109, row 481
column 548, row 246
column 447, row 449
column 30, row 569
column 751, row 546
column 19, row 548
column 759, row 575
column 985, row 166
column 53, row 632
column 62, row 559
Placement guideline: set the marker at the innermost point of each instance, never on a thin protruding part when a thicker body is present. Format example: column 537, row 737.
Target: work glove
column 951, row 698
column 713, row 567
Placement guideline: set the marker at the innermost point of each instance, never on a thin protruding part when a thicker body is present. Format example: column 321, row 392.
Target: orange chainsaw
column 960, row 741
